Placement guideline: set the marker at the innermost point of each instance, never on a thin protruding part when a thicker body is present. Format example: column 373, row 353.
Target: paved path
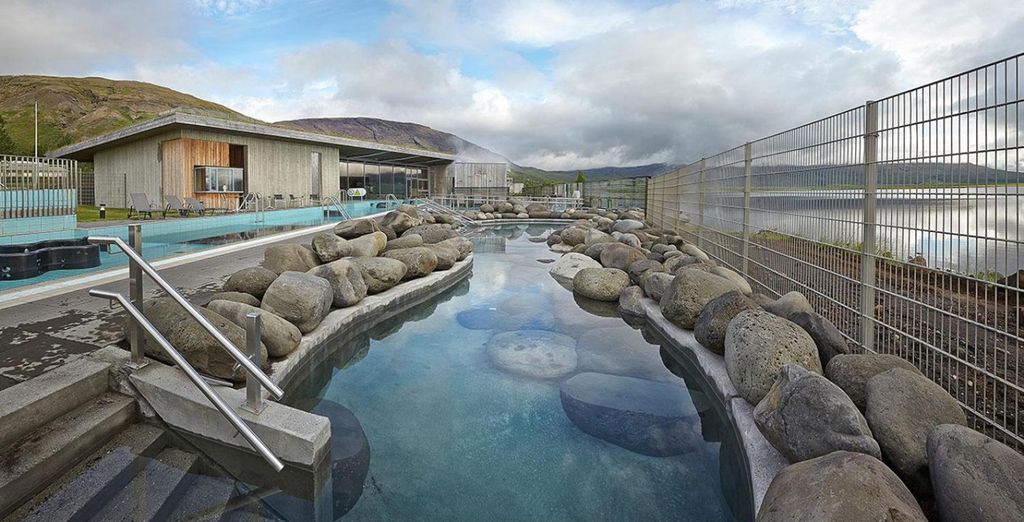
column 41, row 335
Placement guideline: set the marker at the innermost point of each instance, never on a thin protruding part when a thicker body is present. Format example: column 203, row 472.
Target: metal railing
column 138, row 325
column 473, row 201
column 390, row 199
column 437, row 207
column 37, row 187
column 616, row 193
column 900, row 220
column 337, row 204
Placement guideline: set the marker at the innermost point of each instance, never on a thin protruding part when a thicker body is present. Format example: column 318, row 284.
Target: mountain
column 74, row 109
column 597, row 174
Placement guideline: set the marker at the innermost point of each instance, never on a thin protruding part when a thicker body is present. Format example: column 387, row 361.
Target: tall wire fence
column 616, row 193
column 37, row 187
column 900, row 220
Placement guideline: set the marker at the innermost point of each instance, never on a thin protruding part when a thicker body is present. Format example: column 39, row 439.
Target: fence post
column 700, row 207
column 253, row 333
column 867, row 255
column 747, row 171
column 136, row 336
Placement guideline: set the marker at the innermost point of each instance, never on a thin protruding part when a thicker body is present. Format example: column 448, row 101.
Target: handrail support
column 253, row 332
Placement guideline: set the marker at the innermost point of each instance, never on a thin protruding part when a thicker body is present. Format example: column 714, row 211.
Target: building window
column 218, row 179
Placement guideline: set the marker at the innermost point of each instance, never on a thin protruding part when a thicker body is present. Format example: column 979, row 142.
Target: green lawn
column 91, row 213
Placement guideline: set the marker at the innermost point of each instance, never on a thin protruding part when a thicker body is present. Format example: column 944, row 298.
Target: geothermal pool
column 462, row 404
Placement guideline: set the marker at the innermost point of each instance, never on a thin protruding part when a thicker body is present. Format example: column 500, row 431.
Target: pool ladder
column 337, row 203
column 138, row 325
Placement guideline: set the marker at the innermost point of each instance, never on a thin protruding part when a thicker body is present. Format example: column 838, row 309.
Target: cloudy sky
column 560, row 85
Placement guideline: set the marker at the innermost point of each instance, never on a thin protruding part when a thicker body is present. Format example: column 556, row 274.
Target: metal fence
column 900, row 220
column 616, row 193
column 37, row 187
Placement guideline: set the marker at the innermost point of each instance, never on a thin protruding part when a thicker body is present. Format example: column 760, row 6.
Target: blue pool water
column 165, row 238
column 452, row 436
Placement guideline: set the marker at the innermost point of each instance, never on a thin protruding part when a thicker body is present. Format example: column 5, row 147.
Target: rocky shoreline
column 866, row 436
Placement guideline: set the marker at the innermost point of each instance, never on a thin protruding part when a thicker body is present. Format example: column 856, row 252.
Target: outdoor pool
column 454, row 432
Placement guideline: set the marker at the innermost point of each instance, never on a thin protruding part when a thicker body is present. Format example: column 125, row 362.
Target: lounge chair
column 292, row 198
column 174, row 204
column 278, row 198
column 141, row 206
column 314, row 199
column 201, row 208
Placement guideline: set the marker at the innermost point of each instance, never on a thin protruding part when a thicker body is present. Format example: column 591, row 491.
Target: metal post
column 253, row 332
column 867, row 256
column 747, row 171
column 700, row 207
column 135, row 290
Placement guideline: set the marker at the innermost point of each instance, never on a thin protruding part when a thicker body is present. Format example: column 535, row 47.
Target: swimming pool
column 170, row 237
column 430, row 422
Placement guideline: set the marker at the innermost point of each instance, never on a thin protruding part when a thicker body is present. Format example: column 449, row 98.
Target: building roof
column 350, row 149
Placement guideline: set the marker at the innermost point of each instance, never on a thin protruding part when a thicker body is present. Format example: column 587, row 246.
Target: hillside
column 73, row 109
column 598, row 174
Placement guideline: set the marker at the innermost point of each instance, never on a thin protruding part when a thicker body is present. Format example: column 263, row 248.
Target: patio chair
column 141, row 206
column 200, row 208
column 292, row 198
column 278, row 198
column 174, row 204
column 314, row 199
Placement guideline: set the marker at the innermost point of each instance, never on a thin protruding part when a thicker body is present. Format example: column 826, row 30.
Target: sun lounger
column 141, row 206
column 174, row 204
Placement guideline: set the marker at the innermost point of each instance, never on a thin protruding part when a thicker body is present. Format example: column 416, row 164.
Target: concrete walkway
column 42, row 334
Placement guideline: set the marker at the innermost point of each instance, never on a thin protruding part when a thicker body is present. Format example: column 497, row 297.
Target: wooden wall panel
column 179, row 158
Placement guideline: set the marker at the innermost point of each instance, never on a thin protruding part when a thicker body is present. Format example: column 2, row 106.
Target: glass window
column 400, row 184
column 373, row 181
column 219, row 179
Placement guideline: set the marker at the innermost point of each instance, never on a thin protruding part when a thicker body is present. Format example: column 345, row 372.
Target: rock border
column 518, row 221
column 763, row 461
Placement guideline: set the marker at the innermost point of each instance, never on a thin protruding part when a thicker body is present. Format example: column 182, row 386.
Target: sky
column 556, row 85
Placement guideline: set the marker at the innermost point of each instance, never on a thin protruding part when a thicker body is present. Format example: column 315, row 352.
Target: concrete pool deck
column 45, row 326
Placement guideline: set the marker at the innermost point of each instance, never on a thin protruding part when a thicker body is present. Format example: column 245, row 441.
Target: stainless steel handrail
column 391, row 197
column 235, row 353
column 430, row 203
column 194, row 376
column 336, row 203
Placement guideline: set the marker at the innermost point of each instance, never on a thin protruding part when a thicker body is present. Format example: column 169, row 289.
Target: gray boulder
column 289, row 258
column 279, row 336
column 573, row 236
column 353, row 228
column 715, row 317
column 554, row 238
column 562, row 248
column 409, row 241
column 902, row 407
column 630, row 302
column 433, row 233
column 399, row 221
column 630, row 240
column 757, row 345
column 689, row 292
column 840, row 486
column 503, row 207
column 346, row 281
column 640, row 268
column 419, row 261
column 692, row 250
column 827, row 337
column 447, row 255
column 627, row 225
column 600, row 284
column 380, row 273
column 299, row 298
column 238, row 297
column 536, row 207
column 198, row 347
column 538, row 354
column 594, row 251
column 486, row 208
column 369, row 245
column 462, row 245
column 565, row 269
column 329, row 247
column 595, row 236
column 974, row 477
column 805, row 416
column 253, row 280
column 736, row 279
column 789, row 304
column 647, row 417
column 655, row 284
column 618, row 255
column 851, row 372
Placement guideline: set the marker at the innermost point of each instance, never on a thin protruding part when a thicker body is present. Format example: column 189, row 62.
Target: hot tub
column 29, row 260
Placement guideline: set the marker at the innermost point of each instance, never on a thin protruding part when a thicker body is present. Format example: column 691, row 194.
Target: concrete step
column 26, row 406
column 91, row 483
column 159, row 483
column 205, row 499
column 30, row 464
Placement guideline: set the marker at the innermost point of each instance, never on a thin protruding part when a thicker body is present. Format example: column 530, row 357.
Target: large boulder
column 409, row 241
column 399, row 221
column 655, row 284
column 738, row 280
column 902, row 407
column 827, row 337
column 618, row 255
column 380, row 273
column 299, row 298
column 278, row 335
column 631, row 302
column 692, row 250
column 460, row 244
column 689, row 292
column 627, row 225
column 789, row 304
column 573, row 236
column 757, row 345
column 565, row 269
column 289, row 257
column 346, row 281
column 536, row 207
column 447, row 255
column 369, row 245
column 503, row 207
column 630, row 240
column 839, row 486
column 253, row 280
column 329, row 247
column 647, row 417
column 238, row 297
column 486, row 208
column 198, row 347
column 974, row 477
column 805, row 416
column 595, row 236
column 851, row 372
column 539, row 354
column 600, row 284
column 714, row 319
column 433, row 233
column 640, row 268
column 353, row 228
column 419, row 261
